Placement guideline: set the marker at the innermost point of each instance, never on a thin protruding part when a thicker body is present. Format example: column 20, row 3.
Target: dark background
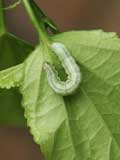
column 17, row 144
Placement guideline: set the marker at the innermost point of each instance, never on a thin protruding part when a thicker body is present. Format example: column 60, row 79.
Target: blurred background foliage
column 16, row 143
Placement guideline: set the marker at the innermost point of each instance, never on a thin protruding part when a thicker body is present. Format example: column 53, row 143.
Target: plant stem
column 2, row 24
column 36, row 19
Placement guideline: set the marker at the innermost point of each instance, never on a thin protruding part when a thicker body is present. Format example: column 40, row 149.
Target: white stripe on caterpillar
column 72, row 69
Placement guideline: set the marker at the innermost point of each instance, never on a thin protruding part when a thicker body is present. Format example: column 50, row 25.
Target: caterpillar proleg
column 71, row 68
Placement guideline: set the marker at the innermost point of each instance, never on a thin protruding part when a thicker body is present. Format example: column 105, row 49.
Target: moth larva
column 72, row 69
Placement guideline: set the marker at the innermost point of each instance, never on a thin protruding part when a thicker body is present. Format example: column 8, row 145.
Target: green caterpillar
column 69, row 86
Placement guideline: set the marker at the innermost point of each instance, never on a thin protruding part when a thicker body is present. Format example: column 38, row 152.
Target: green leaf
column 12, row 52
column 11, row 77
column 84, row 126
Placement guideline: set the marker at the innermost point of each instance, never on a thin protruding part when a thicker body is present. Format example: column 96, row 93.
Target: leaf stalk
column 39, row 20
column 2, row 23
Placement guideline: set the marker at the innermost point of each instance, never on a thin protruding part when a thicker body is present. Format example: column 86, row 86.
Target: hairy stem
column 38, row 19
column 2, row 24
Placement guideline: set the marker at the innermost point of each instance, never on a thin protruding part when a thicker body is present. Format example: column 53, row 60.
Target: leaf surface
column 86, row 125
column 11, row 77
